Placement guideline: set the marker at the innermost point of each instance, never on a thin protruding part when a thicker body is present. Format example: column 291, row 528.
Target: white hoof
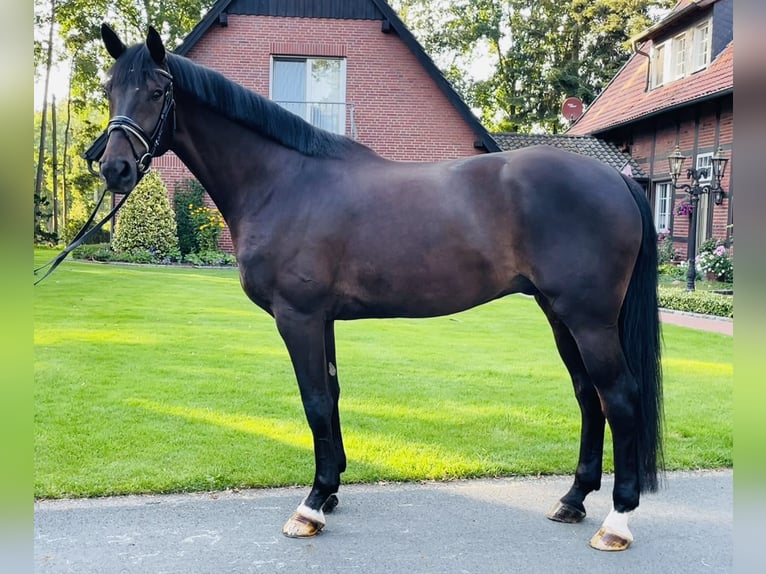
column 304, row 523
column 614, row 534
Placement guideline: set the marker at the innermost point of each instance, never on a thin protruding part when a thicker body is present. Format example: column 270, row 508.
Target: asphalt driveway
column 478, row 526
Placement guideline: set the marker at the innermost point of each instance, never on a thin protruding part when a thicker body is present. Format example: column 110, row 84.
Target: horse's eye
column 156, row 94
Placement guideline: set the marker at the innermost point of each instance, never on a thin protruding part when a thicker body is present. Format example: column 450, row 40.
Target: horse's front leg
column 332, row 371
column 304, row 336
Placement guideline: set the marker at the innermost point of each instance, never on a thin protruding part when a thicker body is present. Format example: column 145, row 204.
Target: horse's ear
column 156, row 49
column 113, row 44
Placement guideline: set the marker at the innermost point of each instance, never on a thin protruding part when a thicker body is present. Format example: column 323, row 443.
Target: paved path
column 480, row 526
column 696, row 321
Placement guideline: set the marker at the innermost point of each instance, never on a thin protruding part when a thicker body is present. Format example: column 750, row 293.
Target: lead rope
column 82, row 235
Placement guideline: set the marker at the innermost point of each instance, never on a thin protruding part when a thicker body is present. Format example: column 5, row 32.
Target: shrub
column 210, row 258
column 697, row 302
column 208, row 224
column 670, row 270
column 718, row 262
column 187, row 196
column 709, row 245
column 147, row 223
column 78, row 215
column 94, row 252
column 666, row 252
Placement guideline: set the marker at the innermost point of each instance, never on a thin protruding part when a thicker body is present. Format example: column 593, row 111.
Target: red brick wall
column 696, row 131
column 399, row 111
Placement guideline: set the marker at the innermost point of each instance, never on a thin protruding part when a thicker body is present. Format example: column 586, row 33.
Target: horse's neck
column 229, row 160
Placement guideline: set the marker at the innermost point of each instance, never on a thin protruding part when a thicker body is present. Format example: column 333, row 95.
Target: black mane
column 236, row 103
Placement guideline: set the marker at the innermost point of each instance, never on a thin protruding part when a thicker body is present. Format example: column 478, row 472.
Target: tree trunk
column 43, row 122
column 67, row 127
column 55, row 167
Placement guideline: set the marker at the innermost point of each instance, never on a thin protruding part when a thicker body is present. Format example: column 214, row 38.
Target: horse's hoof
column 563, row 512
column 299, row 526
column 610, row 541
column 330, row 504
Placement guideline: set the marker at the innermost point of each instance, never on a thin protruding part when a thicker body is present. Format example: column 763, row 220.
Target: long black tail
column 641, row 344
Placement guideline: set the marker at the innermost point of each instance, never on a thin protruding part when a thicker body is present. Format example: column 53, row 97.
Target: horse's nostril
column 116, row 172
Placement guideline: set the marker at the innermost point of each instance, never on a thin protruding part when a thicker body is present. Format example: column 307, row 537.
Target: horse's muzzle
column 119, row 174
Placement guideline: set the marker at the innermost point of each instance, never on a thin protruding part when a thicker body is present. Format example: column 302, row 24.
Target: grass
column 151, row 379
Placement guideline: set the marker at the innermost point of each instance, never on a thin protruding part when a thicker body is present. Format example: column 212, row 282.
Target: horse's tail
column 641, row 342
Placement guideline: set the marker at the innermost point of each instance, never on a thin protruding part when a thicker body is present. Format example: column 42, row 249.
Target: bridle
column 156, row 144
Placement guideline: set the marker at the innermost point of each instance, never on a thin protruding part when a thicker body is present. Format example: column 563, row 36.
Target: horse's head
column 141, row 109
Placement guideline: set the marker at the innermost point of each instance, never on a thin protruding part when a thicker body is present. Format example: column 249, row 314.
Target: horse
column 327, row 230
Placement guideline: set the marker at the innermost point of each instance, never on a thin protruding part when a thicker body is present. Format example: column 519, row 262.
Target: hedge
column 703, row 302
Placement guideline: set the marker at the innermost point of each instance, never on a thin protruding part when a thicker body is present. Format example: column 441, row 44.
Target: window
column 658, row 66
column 703, row 210
column 704, row 160
column 701, row 46
column 663, row 204
column 313, row 88
column 679, row 56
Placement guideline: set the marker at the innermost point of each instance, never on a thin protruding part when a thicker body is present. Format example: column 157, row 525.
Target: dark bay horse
column 326, row 230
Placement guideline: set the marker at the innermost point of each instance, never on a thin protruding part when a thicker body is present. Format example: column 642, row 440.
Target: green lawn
column 151, row 379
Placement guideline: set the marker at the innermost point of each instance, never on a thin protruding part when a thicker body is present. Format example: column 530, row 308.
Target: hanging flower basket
column 684, row 208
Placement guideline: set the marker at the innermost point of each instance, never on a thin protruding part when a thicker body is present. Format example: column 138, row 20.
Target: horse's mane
column 238, row 104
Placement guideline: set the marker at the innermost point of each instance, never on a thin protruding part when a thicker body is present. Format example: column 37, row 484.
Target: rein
column 155, row 145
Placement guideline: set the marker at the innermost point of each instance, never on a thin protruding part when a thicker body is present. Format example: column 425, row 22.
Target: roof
column 678, row 12
column 587, row 145
column 626, row 99
column 348, row 9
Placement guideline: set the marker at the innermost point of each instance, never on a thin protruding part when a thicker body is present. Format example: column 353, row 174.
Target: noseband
column 156, row 144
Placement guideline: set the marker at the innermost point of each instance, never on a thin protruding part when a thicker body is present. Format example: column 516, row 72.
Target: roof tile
column 626, row 99
column 584, row 145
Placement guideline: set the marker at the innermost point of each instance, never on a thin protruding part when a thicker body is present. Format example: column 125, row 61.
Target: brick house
column 675, row 90
column 349, row 66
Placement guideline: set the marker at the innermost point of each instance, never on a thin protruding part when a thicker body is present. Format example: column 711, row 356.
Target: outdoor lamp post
column 717, row 166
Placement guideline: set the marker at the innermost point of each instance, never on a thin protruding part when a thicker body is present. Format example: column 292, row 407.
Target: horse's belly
column 424, row 291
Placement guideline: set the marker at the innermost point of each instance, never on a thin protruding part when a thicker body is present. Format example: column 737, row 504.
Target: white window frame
column 307, row 115
column 704, row 160
column 678, row 56
column 663, row 205
column 700, row 52
column 659, row 63
column 703, row 205
column 682, row 55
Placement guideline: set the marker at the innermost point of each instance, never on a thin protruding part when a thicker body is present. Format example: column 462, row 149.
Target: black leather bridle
column 159, row 141
column 154, row 145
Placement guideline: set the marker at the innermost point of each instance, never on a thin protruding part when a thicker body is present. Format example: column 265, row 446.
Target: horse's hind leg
column 602, row 355
column 570, row 507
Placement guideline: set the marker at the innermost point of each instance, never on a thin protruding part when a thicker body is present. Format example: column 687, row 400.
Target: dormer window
column 681, row 55
column 701, row 46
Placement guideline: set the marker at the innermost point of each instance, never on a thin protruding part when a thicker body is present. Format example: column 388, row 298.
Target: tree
column 187, row 197
column 47, row 62
column 540, row 52
column 146, row 223
column 68, row 32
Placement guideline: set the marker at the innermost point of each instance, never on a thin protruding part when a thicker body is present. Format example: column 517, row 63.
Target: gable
column 375, row 10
